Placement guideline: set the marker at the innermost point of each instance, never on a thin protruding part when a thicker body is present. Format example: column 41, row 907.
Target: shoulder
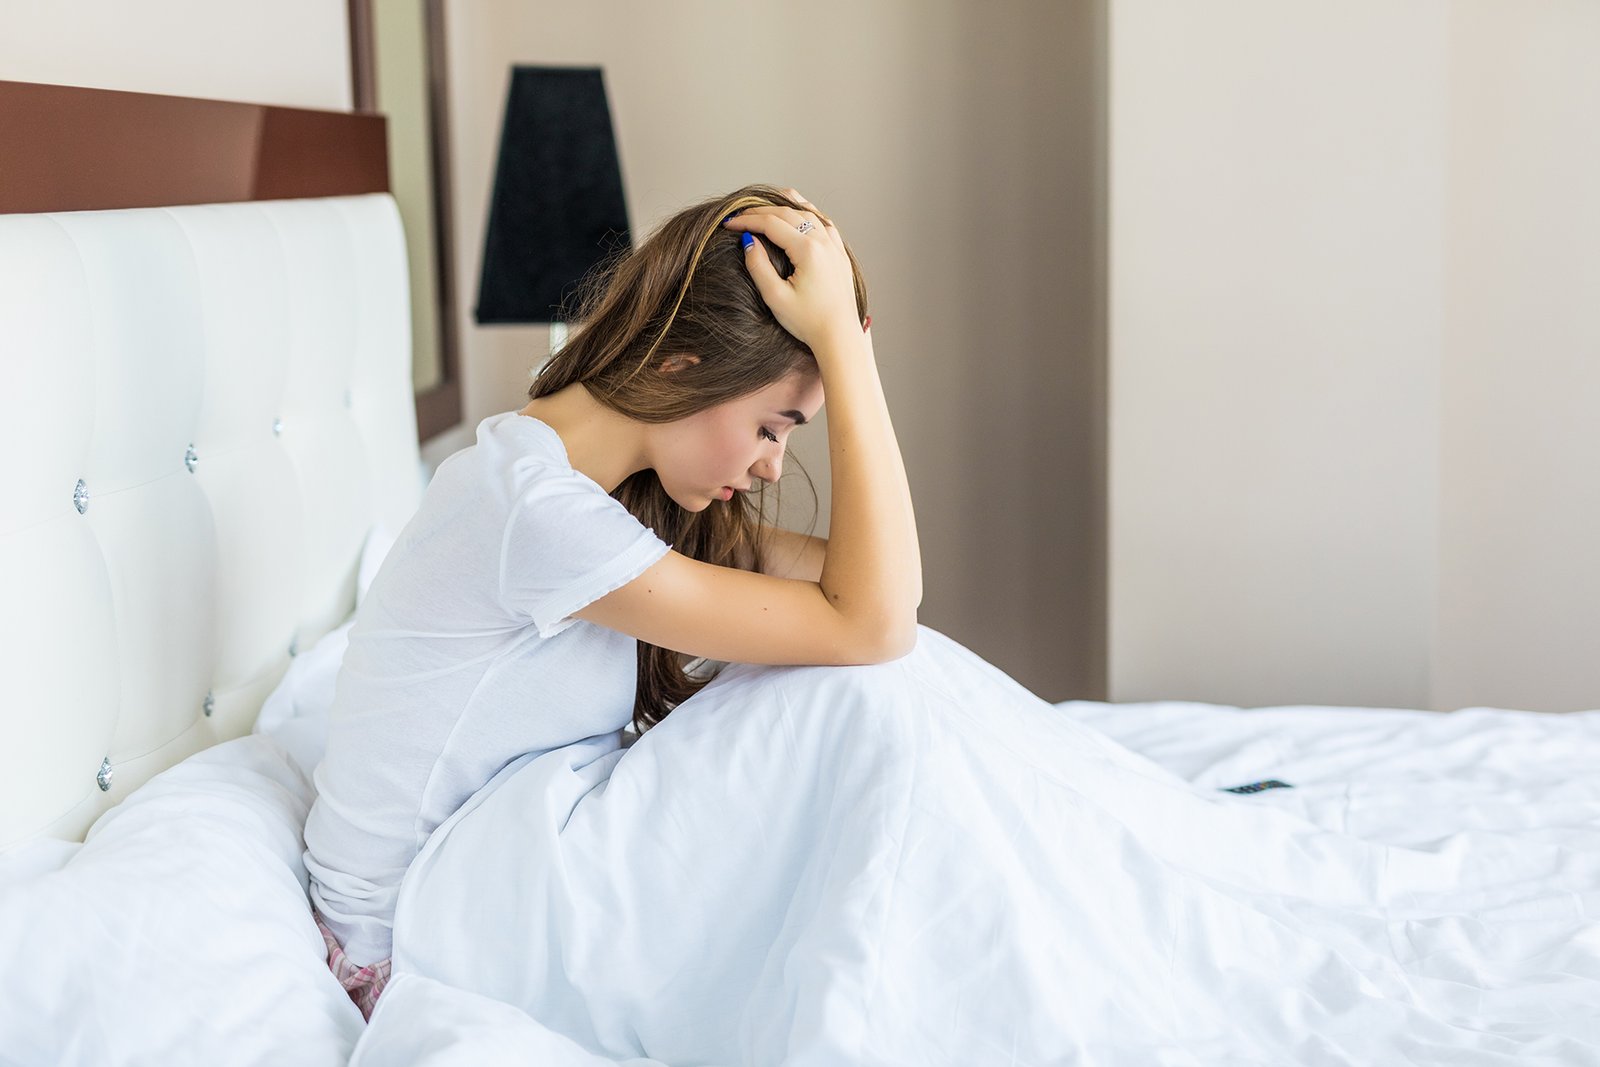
column 527, row 458
column 514, row 438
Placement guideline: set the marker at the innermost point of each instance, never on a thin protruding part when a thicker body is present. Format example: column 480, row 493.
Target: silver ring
column 805, row 225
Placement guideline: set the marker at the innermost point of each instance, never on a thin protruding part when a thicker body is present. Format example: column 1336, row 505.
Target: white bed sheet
column 1394, row 775
column 180, row 933
column 920, row 862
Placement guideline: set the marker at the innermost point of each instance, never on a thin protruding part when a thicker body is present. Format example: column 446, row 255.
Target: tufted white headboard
column 206, row 410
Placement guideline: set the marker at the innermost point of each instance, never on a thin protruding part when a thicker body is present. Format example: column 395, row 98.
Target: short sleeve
column 568, row 543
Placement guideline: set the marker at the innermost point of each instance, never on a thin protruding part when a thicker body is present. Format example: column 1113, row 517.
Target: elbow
column 896, row 641
column 883, row 636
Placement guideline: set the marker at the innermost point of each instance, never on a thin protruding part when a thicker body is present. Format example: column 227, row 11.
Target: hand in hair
column 817, row 302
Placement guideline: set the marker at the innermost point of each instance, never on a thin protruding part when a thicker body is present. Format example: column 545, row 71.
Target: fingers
column 781, row 230
column 762, row 272
column 794, row 194
column 815, row 296
column 789, row 215
column 792, row 219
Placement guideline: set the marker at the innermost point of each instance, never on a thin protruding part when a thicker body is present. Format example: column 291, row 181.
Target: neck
column 601, row 443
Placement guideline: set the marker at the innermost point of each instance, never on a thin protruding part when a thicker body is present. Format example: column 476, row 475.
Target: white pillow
column 179, row 932
column 296, row 712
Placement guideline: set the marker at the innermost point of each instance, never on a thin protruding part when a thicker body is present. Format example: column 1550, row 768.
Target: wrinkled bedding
column 920, row 862
column 916, row 863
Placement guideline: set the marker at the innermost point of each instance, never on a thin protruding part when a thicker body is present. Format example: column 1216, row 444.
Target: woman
column 860, row 843
column 698, row 355
column 678, row 397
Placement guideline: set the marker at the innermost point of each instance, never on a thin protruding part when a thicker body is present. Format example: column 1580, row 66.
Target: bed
column 210, row 448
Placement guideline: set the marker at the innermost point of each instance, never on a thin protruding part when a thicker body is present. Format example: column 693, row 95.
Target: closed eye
column 769, row 435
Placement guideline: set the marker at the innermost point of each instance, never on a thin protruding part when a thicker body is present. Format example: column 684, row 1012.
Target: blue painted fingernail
column 746, row 238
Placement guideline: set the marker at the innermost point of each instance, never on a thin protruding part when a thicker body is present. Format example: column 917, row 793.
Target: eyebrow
column 799, row 419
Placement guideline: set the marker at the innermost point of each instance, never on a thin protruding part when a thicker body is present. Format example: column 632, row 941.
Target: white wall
column 289, row 52
column 1352, row 341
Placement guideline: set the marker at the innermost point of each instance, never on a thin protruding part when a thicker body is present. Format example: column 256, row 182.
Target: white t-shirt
column 463, row 657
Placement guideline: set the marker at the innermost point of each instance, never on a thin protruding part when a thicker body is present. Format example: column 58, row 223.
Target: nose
column 769, row 468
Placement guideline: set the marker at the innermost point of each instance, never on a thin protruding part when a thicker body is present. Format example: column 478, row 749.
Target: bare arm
column 786, row 554
column 858, row 608
column 873, row 565
column 872, row 571
column 861, row 607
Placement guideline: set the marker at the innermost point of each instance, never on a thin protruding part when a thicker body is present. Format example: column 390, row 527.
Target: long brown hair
column 684, row 290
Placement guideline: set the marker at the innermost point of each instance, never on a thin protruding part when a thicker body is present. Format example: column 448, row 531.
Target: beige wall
column 1519, row 610
column 953, row 144
column 290, row 52
column 1347, row 303
column 1352, row 353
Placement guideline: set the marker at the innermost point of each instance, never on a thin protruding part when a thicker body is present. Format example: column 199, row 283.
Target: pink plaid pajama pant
column 362, row 983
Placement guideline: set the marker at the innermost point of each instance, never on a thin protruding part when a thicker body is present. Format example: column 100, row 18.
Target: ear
column 678, row 361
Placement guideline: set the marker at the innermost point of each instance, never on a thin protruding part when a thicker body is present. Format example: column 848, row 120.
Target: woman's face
column 733, row 444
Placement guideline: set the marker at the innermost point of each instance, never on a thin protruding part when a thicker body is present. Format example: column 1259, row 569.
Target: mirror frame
column 438, row 408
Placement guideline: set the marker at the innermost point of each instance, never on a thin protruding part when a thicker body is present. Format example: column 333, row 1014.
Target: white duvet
column 922, row 863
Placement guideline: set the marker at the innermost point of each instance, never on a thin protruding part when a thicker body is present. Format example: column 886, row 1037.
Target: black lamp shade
column 557, row 209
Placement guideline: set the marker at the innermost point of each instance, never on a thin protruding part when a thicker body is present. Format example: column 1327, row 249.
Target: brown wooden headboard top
column 69, row 148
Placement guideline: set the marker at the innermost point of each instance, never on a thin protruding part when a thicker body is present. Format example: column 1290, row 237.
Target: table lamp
column 557, row 209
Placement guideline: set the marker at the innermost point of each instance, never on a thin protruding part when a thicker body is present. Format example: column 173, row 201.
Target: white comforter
column 922, row 863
